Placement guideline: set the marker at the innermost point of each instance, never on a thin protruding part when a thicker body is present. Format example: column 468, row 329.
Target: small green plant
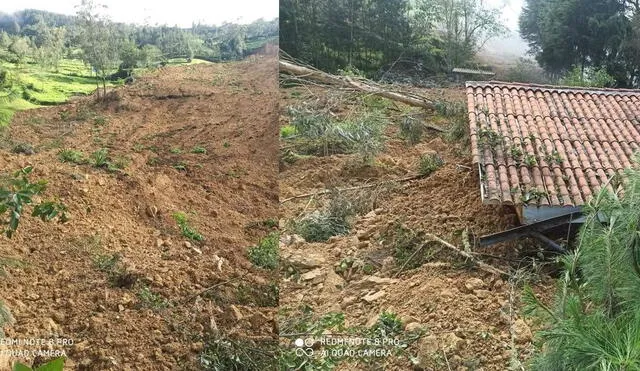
column 73, row 156
column 153, row 161
column 53, row 365
column 176, row 150
column 226, row 144
column 533, row 196
column 180, row 166
column 107, row 263
column 287, row 131
column 150, row 299
column 199, row 149
column 64, row 115
column 489, row 138
column 530, row 160
column 429, row 163
column 16, row 191
column 516, row 153
column 553, row 158
column 185, row 228
column 119, row 163
column 100, row 158
column 100, row 120
column 266, row 254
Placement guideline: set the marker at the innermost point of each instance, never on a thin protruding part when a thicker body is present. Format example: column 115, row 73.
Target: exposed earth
column 457, row 317
column 119, row 280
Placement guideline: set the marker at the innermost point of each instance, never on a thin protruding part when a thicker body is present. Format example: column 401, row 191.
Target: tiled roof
column 549, row 145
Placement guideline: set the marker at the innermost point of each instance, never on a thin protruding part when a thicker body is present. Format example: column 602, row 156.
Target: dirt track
column 60, row 283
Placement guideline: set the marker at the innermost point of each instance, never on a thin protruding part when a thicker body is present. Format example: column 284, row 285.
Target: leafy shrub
column 429, row 163
column 70, row 155
column 405, row 243
column 265, row 254
column 53, row 365
column 16, row 192
column 591, row 77
column 594, row 321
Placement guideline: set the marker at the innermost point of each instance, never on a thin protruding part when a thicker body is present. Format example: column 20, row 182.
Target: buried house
column 546, row 150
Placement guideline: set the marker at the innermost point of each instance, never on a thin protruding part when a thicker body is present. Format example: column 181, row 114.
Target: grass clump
column 72, row 156
column 187, row 230
column 411, row 129
column 321, row 135
column 594, row 321
column 150, row 299
column 24, row 148
column 100, row 158
column 266, row 253
column 331, row 221
column 199, row 149
column 429, row 163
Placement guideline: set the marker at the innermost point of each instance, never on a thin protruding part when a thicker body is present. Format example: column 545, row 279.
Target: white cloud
column 180, row 12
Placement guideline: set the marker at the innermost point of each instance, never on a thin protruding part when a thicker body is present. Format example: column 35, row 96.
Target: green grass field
column 40, row 87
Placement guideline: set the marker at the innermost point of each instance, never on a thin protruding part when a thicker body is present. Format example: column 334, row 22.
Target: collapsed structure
column 546, row 150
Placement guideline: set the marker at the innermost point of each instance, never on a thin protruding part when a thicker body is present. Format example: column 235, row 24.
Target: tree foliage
column 585, row 34
column 98, row 40
column 594, row 322
column 371, row 34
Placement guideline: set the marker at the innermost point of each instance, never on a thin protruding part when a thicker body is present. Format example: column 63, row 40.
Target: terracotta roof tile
column 550, row 145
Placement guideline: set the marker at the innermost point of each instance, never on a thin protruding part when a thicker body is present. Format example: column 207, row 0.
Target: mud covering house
column 546, row 150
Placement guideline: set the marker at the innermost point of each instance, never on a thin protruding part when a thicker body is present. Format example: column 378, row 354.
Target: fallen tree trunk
column 366, row 86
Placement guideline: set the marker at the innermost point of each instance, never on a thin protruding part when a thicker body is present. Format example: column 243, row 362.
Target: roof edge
column 519, row 85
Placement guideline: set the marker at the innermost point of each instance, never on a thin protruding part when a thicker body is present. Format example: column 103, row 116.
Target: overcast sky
column 180, row 12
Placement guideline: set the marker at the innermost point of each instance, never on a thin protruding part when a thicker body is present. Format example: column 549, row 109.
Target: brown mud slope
column 468, row 319
column 119, row 279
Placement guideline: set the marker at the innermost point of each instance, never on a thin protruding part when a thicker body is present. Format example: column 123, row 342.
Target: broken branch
column 364, row 85
column 325, row 191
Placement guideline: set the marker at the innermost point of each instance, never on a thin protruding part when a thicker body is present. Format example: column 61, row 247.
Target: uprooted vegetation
column 150, row 254
column 412, row 251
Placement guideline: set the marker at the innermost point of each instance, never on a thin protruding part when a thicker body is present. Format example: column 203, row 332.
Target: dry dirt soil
column 469, row 319
column 119, row 279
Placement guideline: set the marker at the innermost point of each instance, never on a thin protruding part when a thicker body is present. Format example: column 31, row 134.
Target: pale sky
column 180, row 12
